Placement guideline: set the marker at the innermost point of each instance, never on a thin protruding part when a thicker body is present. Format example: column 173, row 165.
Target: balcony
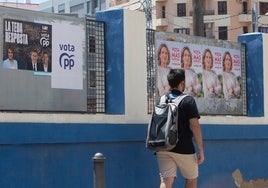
column 206, row 12
column 161, row 22
column 117, row 2
column 160, row 1
column 244, row 18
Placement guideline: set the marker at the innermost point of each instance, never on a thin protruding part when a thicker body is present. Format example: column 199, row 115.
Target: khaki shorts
column 168, row 163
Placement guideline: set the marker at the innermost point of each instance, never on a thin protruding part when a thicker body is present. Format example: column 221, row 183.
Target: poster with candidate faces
column 27, row 46
column 32, row 46
column 42, row 65
column 213, row 74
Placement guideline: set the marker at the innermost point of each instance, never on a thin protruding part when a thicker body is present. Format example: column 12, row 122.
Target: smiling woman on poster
column 10, row 62
column 231, row 87
column 163, row 57
column 192, row 84
column 211, row 84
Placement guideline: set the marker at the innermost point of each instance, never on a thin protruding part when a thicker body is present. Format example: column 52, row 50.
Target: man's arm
column 196, row 129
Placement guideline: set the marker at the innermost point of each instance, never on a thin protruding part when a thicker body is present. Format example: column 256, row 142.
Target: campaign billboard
column 27, row 45
column 42, row 65
column 213, row 74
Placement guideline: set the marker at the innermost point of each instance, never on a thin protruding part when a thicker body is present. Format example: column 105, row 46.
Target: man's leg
column 189, row 169
column 167, row 182
column 167, row 168
column 191, row 183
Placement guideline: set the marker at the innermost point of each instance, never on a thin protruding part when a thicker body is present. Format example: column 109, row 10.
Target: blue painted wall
column 60, row 155
column 114, row 49
column 254, row 72
column 47, row 155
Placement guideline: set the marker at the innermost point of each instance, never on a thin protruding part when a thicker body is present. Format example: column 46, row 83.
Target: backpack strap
column 163, row 99
column 178, row 99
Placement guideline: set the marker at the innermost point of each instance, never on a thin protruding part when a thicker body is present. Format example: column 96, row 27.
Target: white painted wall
column 265, row 72
column 136, row 87
column 135, row 66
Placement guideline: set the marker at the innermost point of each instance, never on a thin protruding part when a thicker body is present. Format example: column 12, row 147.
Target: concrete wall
column 56, row 150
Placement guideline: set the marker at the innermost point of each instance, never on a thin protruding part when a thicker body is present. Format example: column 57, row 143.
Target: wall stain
column 240, row 183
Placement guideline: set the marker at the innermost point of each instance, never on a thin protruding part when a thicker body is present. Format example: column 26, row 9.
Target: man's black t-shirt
column 187, row 109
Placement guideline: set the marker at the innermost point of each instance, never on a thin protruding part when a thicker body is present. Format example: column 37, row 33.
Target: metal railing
column 151, row 69
column 206, row 12
column 95, row 34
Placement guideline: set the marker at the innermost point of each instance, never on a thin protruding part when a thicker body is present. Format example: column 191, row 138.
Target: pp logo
column 44, row 40
column 66, row 61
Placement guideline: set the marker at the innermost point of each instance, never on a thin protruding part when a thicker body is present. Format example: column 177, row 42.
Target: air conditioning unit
column 241, row 1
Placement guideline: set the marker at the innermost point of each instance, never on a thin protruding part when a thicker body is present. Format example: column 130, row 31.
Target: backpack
column 162, row 133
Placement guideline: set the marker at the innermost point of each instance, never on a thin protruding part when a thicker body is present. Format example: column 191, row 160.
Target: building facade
column 223, row 19
column 75, row 7
column 27, row 5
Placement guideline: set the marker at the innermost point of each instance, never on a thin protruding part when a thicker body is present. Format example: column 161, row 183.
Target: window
column 181, row 9
column 263, row 29
column 223, row 33
column 182, row 31
column 245, row 29
column 222, row 7
column 245, row 8
column 95, row 5
column 263, row 8
column 163, row 12
column 92, row 6
column 77, row 8
column 61, row 8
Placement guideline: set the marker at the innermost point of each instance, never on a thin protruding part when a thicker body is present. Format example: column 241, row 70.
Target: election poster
column 67, row 56
column 212, row 74
column 27, row 46
column 46, row 50
column 42, row 64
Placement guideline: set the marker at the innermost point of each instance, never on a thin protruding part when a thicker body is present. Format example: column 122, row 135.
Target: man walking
column 183, row 156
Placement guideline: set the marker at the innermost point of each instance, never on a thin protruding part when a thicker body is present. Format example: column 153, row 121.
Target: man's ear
column 181, row 85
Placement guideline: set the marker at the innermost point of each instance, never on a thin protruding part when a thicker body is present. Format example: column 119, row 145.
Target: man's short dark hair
column 175, row 77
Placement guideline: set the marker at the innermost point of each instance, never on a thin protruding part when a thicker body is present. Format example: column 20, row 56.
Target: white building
column 22, row 5
column 76, row 7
